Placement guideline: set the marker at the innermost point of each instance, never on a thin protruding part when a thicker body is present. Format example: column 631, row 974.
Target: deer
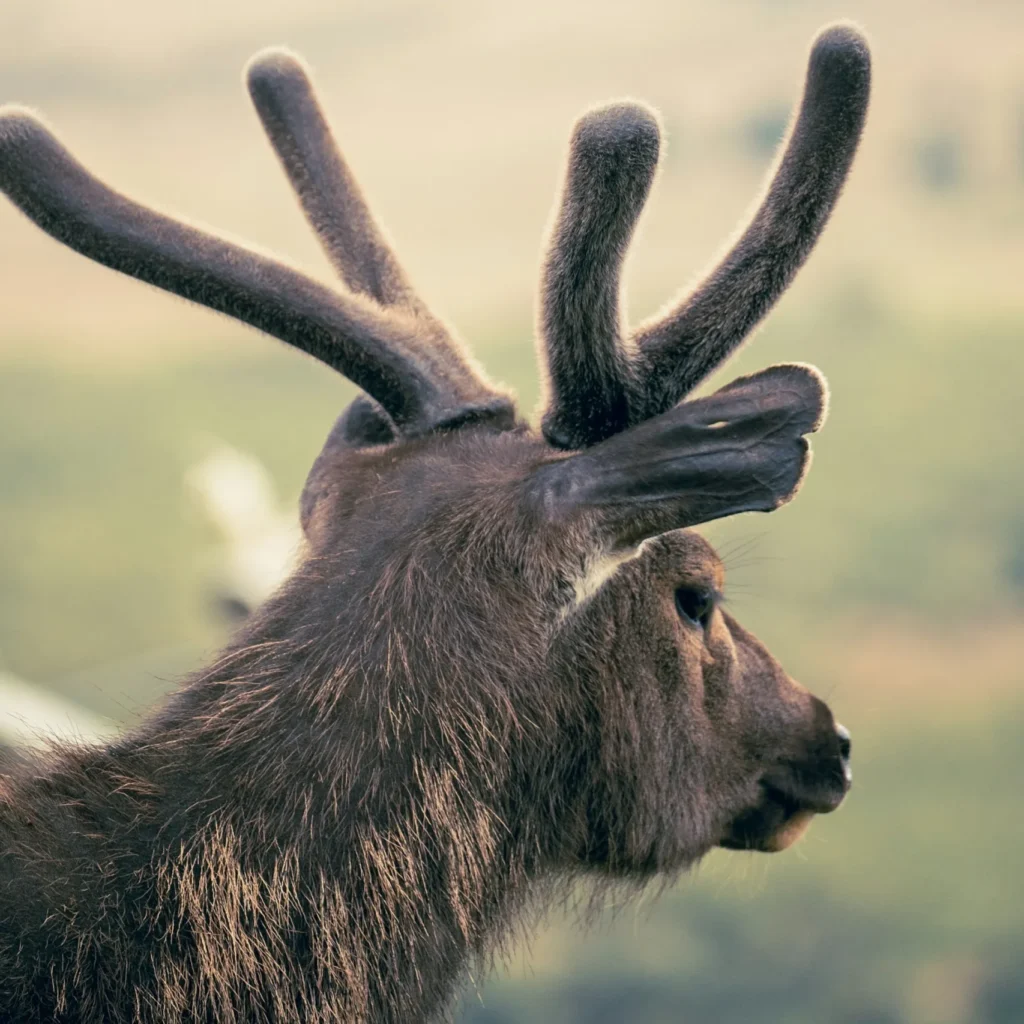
column 502, row 665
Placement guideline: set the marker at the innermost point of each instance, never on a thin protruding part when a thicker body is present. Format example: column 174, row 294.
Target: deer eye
column 695, row 605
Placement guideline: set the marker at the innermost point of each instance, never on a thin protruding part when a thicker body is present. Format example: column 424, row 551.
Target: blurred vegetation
column 763, row 129
column 940, row 160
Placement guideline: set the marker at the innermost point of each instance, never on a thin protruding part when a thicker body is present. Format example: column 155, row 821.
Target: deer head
column 503, row 656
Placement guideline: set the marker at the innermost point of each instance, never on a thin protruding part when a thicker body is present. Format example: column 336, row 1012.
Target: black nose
column 845, row 745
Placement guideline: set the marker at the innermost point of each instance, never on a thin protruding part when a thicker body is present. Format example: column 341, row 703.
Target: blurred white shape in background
column 261, row 541
column 261, row 544
column 30, row 714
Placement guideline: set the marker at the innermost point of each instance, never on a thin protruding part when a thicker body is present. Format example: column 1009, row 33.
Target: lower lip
column 791, row 830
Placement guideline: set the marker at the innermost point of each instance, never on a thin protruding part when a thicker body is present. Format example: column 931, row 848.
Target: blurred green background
column 894, row 586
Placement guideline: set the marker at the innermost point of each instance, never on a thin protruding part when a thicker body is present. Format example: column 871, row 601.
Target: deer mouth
column 780, row 818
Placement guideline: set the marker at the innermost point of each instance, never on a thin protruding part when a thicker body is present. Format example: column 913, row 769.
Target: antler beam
column 419, row 388
column 672, row 353
column 281, row 90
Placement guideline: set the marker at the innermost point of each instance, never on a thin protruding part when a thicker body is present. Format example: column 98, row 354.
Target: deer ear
column 363, row 424
column 741, row 449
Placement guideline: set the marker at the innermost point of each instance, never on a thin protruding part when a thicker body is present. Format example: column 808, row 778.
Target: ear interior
column 741, row 449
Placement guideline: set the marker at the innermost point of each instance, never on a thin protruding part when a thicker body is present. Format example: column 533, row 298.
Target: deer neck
column 370, row 816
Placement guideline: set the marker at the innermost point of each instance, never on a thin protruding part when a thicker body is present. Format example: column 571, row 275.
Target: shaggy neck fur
column 312, row 829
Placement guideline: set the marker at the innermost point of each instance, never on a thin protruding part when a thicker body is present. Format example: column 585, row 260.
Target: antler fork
column 375, row 331
column 603, row 380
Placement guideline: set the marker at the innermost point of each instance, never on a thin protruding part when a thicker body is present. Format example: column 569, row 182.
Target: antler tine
column 681, row 347
column 613, row 157
column 331, row 199
column 281, row 90
column 346, row 332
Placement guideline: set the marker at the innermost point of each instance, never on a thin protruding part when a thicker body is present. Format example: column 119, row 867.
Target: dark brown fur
column 500, row 664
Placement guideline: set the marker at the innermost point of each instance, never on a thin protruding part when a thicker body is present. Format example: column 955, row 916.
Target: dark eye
column 695, row 605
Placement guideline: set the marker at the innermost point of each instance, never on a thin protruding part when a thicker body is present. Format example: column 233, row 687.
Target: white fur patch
column 598, row 569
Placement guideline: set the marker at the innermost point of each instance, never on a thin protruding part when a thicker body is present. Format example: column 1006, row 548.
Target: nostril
column 845, row 744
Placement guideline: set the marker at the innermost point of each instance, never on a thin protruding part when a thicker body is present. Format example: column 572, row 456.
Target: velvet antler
column 283, row 95
column 597, row 384
column 421, row 386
